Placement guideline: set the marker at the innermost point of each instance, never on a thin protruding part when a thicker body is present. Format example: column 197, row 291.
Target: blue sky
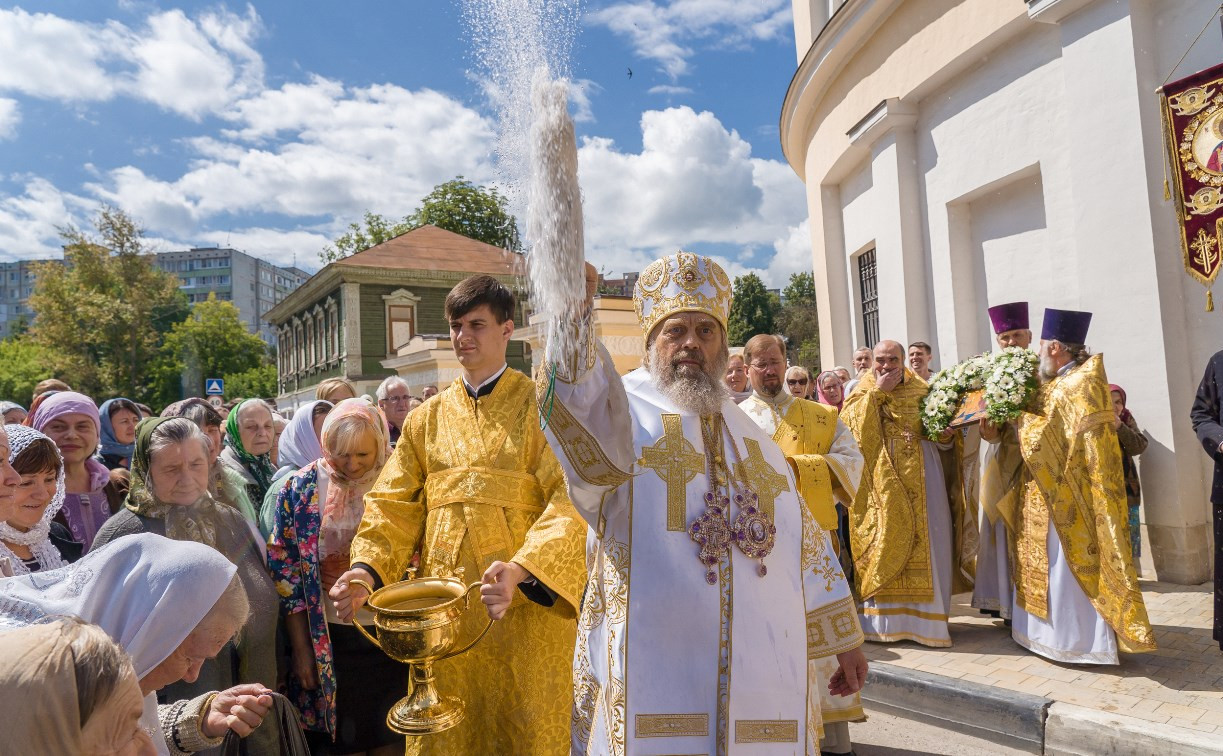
column 270, row 126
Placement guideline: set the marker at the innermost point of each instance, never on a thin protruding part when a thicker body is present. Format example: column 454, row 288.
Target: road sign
column 216, row 401
column 214, row 387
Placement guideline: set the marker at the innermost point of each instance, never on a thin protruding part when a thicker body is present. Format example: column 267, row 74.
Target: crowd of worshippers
column 206, row 632
column 172, row 582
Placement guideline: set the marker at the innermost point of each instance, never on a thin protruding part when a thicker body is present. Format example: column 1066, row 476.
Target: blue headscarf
column 110, row 444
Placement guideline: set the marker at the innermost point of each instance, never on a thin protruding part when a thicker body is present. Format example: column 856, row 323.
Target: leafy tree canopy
column 477, row 212
column 753, row 309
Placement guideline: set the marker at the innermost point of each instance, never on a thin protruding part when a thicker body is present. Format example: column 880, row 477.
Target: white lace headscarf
column 36, row 538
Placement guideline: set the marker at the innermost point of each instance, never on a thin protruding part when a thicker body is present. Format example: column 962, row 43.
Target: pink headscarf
column 1125, row 413
column 65, row 403
column 345, row 498
column 819, row 389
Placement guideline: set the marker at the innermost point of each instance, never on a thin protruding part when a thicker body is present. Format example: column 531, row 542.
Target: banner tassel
column 1210, row 301
column 1167, row 191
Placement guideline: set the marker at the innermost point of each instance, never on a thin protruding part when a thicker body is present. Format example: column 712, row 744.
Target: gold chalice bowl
column 417, row 623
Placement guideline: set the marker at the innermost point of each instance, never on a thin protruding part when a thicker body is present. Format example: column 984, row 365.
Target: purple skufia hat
column 1012, row 316
column 1066, row 326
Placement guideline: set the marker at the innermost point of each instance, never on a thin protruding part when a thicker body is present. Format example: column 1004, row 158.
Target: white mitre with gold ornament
column 682, row 282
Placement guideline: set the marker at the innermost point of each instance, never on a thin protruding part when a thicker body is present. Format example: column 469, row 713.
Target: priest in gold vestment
column 473, row 486
column 827, row 466
column 912, row 537
column 1001, row 469
column 1076, row 590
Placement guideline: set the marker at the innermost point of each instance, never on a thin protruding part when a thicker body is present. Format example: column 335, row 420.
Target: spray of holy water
column 522, row 49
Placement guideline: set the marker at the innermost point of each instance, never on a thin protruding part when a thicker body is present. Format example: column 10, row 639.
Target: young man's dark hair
column 923, row 346
column 478, row 290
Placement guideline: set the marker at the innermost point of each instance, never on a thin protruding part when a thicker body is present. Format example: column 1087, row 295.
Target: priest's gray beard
column 701, row 391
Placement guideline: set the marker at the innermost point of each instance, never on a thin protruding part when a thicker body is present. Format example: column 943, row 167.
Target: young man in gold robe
column 1076, row 591
column 473, row 486
column 827, row 466
column 912, row 537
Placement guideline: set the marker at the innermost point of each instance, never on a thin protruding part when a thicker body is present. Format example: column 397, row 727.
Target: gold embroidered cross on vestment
column 677, row 462
column 758, row 475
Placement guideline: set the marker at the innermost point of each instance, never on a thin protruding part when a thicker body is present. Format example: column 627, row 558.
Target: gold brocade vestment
column 1073, row 475
column 471, row 483
column 888, row 524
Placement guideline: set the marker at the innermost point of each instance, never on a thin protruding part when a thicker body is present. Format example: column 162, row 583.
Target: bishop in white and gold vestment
column 712, row 590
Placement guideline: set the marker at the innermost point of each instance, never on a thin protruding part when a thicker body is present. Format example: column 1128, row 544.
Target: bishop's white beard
column 701, row 391
column 1048, row 370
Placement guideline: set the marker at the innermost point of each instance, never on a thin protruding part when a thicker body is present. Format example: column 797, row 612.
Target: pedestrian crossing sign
column 214, row 387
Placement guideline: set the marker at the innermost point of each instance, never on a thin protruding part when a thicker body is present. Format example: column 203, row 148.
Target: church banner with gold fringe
column 1192, row 111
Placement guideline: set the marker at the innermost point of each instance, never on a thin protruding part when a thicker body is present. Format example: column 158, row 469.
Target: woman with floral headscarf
column 30, row 539
column 299, row 446
column 250, row 432
column 92, row 493
column 339, row 681
column 169, row 497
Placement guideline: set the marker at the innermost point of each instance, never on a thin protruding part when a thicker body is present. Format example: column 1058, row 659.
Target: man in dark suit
column 1207, row 417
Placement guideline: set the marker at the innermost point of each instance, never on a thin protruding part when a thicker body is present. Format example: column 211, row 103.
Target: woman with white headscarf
column 171, row 605
column 299, row 446
column 30, row 539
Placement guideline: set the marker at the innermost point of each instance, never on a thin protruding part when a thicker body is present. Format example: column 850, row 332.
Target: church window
column 868, row 286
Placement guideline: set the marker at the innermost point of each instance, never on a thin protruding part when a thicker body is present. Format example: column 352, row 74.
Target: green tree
column 101, row 315
column 799, row 321
column 22, row 365
column 214, row 341
column 259, row 381
column 377, row 229
column 477, row 212
column 753, row 310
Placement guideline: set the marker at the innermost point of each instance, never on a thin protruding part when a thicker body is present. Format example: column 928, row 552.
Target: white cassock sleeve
column 832, row 615
column 588, row 422
column 844, row 458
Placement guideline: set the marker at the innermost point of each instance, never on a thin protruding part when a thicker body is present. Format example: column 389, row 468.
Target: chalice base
column 425, row 714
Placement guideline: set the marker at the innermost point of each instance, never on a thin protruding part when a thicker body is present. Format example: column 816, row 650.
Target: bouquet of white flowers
column 1010, row 383
column 947, row 391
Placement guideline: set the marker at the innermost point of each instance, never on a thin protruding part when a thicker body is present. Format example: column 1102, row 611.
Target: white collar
column 486, row 381
column 781, row 402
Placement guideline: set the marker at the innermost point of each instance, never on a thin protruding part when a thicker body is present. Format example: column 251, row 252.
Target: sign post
column 214, row 387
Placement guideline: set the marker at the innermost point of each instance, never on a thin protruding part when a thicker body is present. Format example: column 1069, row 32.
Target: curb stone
column 1024, row 721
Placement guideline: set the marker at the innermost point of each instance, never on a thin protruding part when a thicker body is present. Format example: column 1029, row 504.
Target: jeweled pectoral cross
column 759, row 475
column 677, row 462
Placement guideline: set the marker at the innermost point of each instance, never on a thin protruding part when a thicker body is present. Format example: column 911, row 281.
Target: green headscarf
column 259, row 466
column 139, row 497
column 206, row 521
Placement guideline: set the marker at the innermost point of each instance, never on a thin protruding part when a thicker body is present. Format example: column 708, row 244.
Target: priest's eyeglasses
column 768, row 365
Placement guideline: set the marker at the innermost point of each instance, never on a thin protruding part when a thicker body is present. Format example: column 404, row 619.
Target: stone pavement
column 1180, row 686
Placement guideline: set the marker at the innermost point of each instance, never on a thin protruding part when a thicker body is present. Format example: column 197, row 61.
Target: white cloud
column 189, row 66
column 694, row 182
column 668, row 89
column 666, row 31
column 792, row 254
column 10, row 116
column 317, row 150
column 30, row 222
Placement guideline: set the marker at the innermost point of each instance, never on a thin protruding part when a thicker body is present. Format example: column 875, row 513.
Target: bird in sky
column 630, row 73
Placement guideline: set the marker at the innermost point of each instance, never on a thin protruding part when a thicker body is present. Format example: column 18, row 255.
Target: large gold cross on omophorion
column 759, row 475
column 677, row 462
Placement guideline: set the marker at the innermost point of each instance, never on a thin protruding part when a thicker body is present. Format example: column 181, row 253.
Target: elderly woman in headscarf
column 299, row 446
column 1133, row 442
column 171, row 606
column 12, row 413
column 225, row 485
column 340, row 682
column 30, row 539
column 68, row 688
column 169, row 496
column 92, row 493
column 830, row 389
column 119, row 418
column 250, row 432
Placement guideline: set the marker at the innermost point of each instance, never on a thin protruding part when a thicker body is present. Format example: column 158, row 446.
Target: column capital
column 889, row 115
